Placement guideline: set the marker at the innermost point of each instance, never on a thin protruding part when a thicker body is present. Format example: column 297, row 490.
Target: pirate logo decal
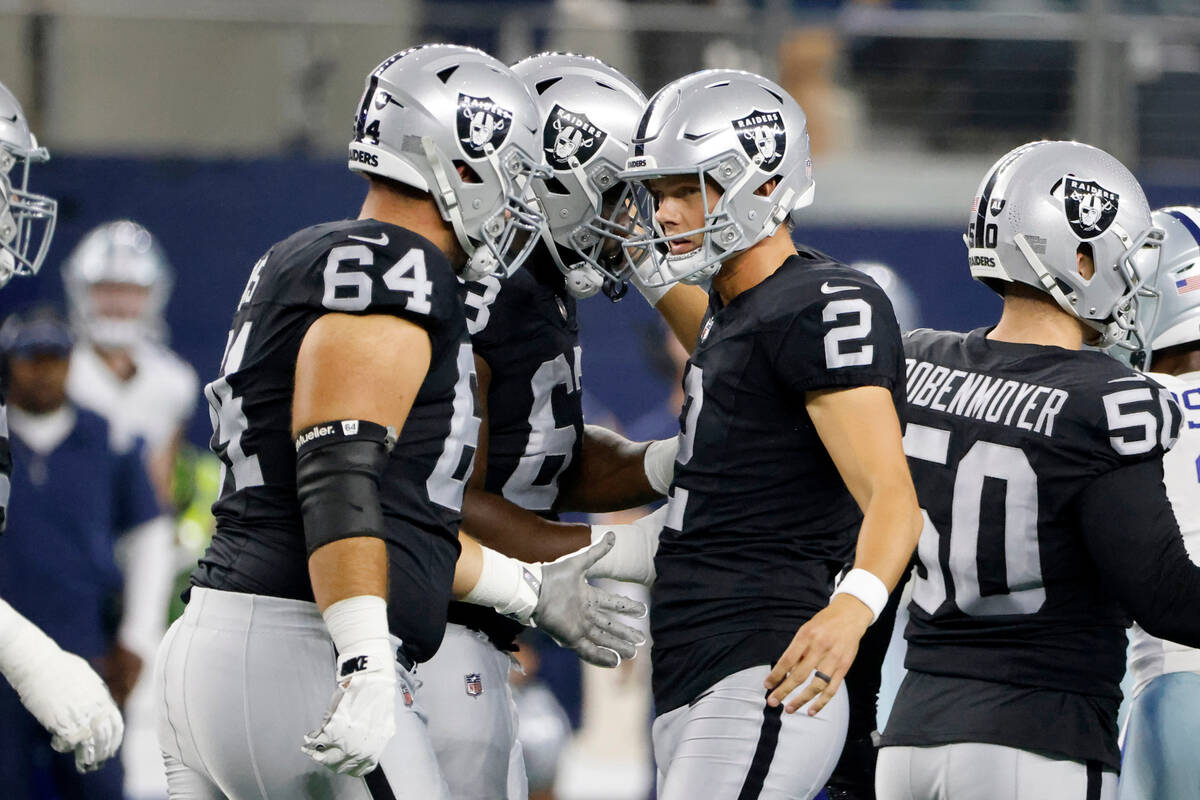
column 763, row 137
column 482, row 125
column 1090, row 207
column 568, row 137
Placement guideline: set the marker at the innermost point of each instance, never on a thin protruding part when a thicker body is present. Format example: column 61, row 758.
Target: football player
column 536, row 456
column 65, row 694
column 117, row 282
column 790, row 450
column 345, row 417
column 1159, row 758
column 1039, row 469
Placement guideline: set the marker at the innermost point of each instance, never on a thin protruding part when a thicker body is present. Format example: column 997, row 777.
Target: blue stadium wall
column 215, row 218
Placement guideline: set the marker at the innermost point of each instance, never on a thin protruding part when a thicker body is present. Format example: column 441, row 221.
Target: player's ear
column 1083, row 261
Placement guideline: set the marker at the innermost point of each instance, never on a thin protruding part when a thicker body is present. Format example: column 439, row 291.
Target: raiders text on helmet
column 589, row 112
column 26, row 219
column 1043, row 203
column 456, row 123
column 1171, row 302
column 739, row 130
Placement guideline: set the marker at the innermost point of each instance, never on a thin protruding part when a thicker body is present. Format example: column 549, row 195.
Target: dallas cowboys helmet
column 114, row 255
column 26, row 219
column 589, row 112
column 456, row 123
column 1172, row 307
column 903, row 299
column 1044, row 201
column 740, row 130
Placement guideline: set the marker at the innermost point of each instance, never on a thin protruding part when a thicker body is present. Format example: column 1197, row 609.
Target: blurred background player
column 81, row 490
column 1159, row 757
column 59, row 689
column 536, row 456
column 1039, row 468
column 792, row 386
column 118, row 281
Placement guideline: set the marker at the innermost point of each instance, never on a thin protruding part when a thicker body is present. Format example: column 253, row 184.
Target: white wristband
column 659, row 463
column 652, row 293
column 507, row 585
column 356, row 620
column 867, row 588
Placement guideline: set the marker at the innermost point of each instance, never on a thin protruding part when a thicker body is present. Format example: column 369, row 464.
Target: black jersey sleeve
column 1133, row 537
column 847, row 337
column 382, row 269
column 1137, row 417
column 5, row 464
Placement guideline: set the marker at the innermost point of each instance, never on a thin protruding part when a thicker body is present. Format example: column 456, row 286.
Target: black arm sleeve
column 1134, row 539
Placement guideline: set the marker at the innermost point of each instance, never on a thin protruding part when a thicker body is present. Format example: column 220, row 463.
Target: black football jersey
column 1013, row 637
column 5, row 463
column 526, row 329
column 354, row 267
column 759, row 520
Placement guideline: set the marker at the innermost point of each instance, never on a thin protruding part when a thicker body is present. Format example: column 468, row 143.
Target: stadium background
column 221, row 126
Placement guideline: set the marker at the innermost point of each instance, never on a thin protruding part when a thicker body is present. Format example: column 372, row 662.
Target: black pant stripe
column 378, row 786
column 1095, row 780
column 764, row 753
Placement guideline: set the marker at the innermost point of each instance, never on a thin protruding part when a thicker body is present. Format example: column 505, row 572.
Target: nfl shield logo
column 707, row 327
column 474, row 684
column 408, row 698
column 1090, row 207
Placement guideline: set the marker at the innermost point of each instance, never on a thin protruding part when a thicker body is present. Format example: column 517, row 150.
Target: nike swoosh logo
column 827, row 289
column 700, row 697
column 380, row 240
column 12, row 119
column 1127, row 378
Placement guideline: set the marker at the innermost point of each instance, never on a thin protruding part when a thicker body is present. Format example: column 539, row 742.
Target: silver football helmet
column 118, row 282
column 456, row 123
column 589, row 112
column 1172, row 305
column 740, row 130
column 26, row 219
column 1044, row 201
column 899, row 293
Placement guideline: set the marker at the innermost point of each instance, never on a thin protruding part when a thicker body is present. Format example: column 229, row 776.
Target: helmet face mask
column 456, row 123
column 1044, row 203
column 27, row 219
column 588, row 112
column 739, row 131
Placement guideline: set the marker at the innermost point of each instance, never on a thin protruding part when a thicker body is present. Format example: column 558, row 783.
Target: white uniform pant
column 976, row 771
column 1162, row 740
column 472, row 719
column 240, row 679
column 728, row 745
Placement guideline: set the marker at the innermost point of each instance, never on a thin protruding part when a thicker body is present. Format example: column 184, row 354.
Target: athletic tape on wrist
column 507, row 585
column 659, row 463
column 356, row 620
column 866, row 587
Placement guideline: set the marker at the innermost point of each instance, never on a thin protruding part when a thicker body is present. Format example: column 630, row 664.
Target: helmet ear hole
column 1085, row 260
column 466, row 172
column 768, row 186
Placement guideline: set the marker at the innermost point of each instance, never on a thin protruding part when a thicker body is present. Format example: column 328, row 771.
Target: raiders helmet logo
column 570, row 136
column 1090, row 207
column 763, row 137
column 482, row 125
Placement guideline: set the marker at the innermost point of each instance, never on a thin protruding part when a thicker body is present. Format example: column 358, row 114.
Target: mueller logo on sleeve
column 312, row 434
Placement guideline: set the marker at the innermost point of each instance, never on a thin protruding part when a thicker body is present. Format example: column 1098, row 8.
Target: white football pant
column 241, row 678
column 976, row 771
column 472, row 719
column 1162, row 758
column 728, row 745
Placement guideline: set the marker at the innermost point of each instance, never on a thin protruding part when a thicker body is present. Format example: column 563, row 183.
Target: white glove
column 644, row 271
column 557, row 598
column 361, row 719
column 61, row 690
column 632, row 558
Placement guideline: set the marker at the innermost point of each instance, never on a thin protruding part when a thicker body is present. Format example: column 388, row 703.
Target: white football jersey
column 1150, row 657
column 152, row 404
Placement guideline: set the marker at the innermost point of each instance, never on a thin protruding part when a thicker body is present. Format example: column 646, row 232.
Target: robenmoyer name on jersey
column 972, row 394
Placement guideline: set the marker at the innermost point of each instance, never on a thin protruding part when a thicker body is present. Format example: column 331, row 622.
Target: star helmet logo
column 482, row 125
column 763, row 137
column 570, row 136
column 1090, row 207
column 474, row 684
